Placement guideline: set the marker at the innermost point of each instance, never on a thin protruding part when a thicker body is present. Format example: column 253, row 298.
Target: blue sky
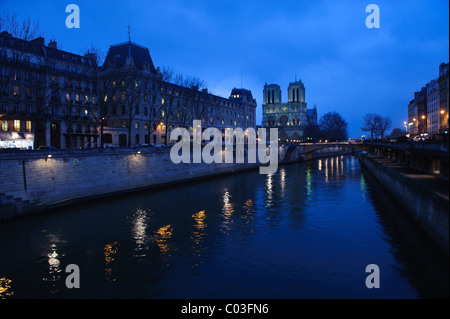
column 344, row 66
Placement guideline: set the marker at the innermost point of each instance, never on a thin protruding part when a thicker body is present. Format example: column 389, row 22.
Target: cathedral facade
column 290, row 118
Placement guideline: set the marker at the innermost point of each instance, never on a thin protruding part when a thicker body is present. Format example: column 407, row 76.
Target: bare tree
column 25, row 30
column 21, row 32
column 370, row 124
column 105, row 97
column 376, row 124
column 46, row 92
column 384, row 124
column 176, row 77
column 131, row 91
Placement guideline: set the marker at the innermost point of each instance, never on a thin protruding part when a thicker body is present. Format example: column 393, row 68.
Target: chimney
column 53, row 44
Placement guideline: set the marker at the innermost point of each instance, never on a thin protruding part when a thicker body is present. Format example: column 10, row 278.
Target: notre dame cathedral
column 290, row 118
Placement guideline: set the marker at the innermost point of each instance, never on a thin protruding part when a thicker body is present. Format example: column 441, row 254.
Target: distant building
column 141, row 108
column 53, row 98
column 428, row 111
column 433, row 107
column 290, row 118
column 47, row 95
column 443, row 98
column 417, row 113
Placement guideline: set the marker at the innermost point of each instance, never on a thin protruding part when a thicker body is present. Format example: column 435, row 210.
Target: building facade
column 47, row 96
column 428, row 112
column 141, row 109
column 290, row 118
column 443, row 98
column 417, row 113
column 53, row 98
column 433, row 107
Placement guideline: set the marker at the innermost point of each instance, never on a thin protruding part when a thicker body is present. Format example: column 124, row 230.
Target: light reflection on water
column 307, row 231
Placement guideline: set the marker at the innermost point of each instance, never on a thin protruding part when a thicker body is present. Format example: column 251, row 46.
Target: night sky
column 344, row 66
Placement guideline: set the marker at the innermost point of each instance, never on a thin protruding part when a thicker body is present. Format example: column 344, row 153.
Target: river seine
column 307, row 231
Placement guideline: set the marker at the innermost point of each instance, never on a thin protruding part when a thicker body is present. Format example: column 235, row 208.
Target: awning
column 12, row 136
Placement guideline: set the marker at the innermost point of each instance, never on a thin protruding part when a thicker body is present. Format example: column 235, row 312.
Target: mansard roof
column 118, row 54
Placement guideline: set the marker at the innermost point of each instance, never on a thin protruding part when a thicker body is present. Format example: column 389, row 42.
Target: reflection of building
column 46, row 93
column 290, row 118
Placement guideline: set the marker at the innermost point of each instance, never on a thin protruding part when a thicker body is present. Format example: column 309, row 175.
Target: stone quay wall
column 38, row 181
column 428, row 208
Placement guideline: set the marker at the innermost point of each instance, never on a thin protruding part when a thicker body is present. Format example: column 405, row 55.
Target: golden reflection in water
column 161, row 238
column 199, row 233
column 5, row 288
column 320, row 164
column 326, row 170
column 110, row 252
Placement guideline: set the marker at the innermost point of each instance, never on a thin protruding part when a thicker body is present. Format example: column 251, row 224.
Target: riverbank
column 424, row 196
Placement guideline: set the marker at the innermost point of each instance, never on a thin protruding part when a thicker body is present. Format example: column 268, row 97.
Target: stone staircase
column 11, row 207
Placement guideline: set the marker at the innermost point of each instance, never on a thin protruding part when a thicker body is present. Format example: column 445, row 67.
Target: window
column 16, row 91
column 136, row 125
column 4, row 108
column 123, row 109
column 16, row 108
column 28, row 109
column 68, row 97
column 4, row 125
column 17, row 125
column 28, row 126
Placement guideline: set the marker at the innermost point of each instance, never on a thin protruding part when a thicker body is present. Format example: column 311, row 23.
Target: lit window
column 16, row 90
column 4, row 125
column 28, row 126
column 136, row 125
column 17, row 125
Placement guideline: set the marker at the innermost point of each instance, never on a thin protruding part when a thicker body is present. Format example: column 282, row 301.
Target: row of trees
column 333, row 127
